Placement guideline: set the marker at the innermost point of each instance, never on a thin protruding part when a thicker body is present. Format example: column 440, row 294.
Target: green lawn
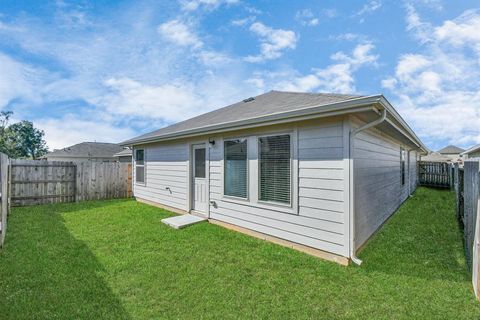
column 114, row 259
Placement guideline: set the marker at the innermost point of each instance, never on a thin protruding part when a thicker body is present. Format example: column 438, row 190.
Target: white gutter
column 353, row 133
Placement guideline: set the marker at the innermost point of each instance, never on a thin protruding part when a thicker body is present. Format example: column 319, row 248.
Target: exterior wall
column 377, row 180
column 166, row 165
column 319, row 215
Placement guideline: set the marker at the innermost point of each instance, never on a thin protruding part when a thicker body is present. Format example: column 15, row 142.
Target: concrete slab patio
column 179, row 222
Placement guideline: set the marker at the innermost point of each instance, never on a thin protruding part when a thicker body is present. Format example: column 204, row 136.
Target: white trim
column 144, row 165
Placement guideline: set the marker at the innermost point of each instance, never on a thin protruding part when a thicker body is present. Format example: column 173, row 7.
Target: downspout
column 353, row 133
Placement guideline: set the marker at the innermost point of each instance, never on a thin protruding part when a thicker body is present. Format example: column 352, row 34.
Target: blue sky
column 109, row 70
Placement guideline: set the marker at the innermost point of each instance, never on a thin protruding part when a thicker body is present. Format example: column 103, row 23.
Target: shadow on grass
column 46, row 273
column 421, row 240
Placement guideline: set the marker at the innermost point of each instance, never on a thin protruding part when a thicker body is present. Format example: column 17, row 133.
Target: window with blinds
column 275, row 168
column 235, row 168
column 402, row 165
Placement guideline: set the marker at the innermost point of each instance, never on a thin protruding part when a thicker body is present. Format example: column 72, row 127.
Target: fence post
column 3, row 196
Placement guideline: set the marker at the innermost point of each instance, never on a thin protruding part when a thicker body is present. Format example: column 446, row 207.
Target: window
column 139, row 166
column 274, row 168
column 200, row 163
column 235, row 168
column 402, row 165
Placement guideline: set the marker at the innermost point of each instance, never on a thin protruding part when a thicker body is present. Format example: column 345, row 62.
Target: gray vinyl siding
column 377, row 181
column 319, row 217
column 166, row 165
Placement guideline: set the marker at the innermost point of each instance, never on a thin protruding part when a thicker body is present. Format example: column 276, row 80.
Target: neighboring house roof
column 87, row 150
column 268, row 108
column 124, row 153
column 451, row 150
column 472, row 149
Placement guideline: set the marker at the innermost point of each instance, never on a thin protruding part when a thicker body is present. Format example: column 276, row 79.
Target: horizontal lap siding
column 165, row 166
column 320, row 220
column 378, row 189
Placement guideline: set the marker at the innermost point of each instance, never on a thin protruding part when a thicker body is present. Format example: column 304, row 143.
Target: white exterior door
column 199, row 176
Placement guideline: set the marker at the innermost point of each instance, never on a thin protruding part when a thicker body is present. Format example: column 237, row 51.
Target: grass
column 115, row 260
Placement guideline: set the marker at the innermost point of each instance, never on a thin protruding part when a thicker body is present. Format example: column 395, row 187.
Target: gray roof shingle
column 451, row 150
column 87, row 149
column 269, row 103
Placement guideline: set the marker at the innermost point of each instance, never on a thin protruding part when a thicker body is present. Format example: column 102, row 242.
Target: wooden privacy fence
column 41, row 182
column 435, row 174
column 4, row 196
column 467, row 182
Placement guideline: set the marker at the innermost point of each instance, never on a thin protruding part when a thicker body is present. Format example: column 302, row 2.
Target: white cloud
column 330, row 13
column 179, row 33
column 337, row 77
column 19, row 81
column 463, row 31
column 192, row 5
column 244, row 21
column 70, row 129
column 129, row 97
column 370, row 7
column 306, row 17
column 122, row 74
column 272, row 42
column 437, row 89
column 420, row 30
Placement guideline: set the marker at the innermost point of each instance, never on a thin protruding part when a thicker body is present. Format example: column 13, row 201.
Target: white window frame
column 141, row 165
column 275, row 203
column 247, row 199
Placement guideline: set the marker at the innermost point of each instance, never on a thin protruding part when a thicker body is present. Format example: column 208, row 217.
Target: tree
column 21, row 139
column 4, row 118
column 26, row 140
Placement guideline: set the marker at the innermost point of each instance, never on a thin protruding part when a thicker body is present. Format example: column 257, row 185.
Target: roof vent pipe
column 353, row 133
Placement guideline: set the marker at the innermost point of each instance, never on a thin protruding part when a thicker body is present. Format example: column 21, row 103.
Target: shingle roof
column 87, row 149
column 451, row 150
column 125, row 152
column 269, row 103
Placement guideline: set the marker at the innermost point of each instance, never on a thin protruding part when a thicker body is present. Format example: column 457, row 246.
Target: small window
column 139, row 166
column 275, row 169
column 200, row 163
column 235, row 168
column 402, row 165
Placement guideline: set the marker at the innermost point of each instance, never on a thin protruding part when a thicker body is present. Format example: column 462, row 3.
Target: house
column 453, row 153
column 435, row 157
column 124, row 156
column 86, row 151
column 317, row 172
column 472, row 153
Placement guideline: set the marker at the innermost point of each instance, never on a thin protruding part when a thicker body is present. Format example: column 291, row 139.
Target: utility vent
column 248, row 99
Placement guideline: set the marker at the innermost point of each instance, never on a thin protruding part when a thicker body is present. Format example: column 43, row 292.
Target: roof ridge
column 331, row 94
